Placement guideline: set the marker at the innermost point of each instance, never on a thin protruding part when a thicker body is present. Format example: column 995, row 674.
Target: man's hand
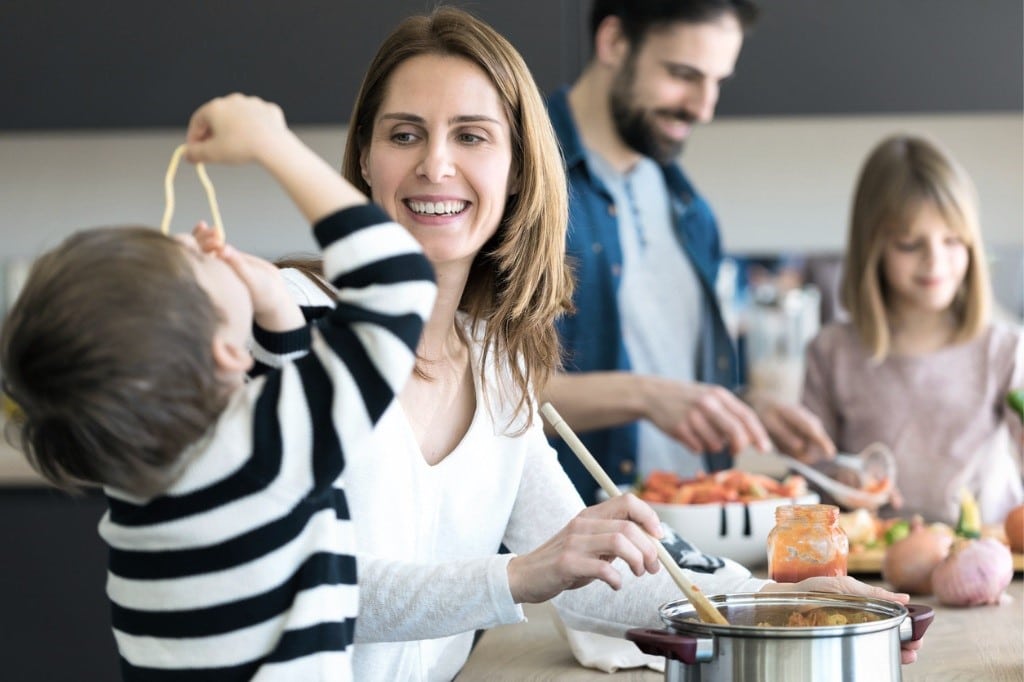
column 703, row 417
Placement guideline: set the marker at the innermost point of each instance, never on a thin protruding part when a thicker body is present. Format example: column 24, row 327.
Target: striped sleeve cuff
column 273, row 349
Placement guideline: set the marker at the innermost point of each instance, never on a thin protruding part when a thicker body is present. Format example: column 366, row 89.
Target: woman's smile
column 427, row 208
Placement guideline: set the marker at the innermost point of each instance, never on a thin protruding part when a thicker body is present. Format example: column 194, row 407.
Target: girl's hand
column 233, row 129
column 583, row 551
column 274, row 309
column 846, row 585
column 794, row 429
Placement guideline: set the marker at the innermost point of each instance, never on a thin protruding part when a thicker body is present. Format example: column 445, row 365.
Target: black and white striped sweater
column 244, row 568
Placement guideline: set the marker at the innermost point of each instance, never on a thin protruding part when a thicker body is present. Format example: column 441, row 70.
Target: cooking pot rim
column 680, row 615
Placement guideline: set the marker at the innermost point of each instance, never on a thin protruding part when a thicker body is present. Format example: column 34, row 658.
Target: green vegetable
column 1015, row 399
column 969, row 525
column 897, row 532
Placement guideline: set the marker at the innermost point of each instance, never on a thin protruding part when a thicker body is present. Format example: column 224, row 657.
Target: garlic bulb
column 975, row 572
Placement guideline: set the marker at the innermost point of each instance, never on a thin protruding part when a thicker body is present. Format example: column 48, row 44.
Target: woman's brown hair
column 901, row 174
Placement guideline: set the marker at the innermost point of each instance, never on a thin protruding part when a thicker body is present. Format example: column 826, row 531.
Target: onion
column 908, row 563
column 975, row 572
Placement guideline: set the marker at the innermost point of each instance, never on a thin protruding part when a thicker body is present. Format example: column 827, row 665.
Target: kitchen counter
column 968, row 644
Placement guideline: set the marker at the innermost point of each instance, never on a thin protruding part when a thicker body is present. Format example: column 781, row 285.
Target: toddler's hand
column 207, row 239
column 274, row 309
column 233, row 129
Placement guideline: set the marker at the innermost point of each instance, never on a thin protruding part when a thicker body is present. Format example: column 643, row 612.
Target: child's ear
column 229, row 356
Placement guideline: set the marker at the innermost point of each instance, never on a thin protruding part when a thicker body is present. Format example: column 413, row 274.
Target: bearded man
column 650, row 369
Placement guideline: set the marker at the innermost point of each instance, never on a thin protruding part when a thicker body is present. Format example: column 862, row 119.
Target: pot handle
column 919, row 617
column 672, row 645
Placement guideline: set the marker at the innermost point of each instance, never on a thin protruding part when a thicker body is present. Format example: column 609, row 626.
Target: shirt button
column 723, row 362
column 626, row 466
column 611, row 209
column 596, row 247
column 616, row 270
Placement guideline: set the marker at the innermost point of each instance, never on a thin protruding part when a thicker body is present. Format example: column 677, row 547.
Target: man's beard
column 635, row 125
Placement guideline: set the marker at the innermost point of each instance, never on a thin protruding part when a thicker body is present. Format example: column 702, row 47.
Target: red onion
column 975, row 572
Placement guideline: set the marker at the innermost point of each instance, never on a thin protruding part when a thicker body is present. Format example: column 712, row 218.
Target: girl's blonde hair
column 519, row 282
column 900, row 175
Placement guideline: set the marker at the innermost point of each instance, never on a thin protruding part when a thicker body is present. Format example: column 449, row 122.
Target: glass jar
column 806, row 541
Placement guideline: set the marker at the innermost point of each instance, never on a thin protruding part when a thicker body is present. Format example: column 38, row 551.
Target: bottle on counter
column 806, row 541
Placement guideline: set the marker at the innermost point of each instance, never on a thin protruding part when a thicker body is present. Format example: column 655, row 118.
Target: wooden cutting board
column 870, row 561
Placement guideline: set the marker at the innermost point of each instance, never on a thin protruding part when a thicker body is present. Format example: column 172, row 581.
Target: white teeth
column 436, row 207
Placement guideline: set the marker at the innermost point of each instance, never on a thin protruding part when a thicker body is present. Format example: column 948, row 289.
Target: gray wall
column 812, row 57
column 148, row 63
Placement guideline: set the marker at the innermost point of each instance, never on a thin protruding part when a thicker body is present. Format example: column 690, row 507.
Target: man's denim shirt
column 592, row 338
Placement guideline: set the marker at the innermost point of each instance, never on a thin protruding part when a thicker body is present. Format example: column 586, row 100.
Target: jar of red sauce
column 806, row 541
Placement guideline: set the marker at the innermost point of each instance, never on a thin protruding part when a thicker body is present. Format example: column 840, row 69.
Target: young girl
column 921, row 366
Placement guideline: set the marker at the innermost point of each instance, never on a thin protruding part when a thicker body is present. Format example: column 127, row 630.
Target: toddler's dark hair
column 108, row 354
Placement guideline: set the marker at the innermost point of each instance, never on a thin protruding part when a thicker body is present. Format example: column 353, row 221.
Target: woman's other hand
column 844, row 584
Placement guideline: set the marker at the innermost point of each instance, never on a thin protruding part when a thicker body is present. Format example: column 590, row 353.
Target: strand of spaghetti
column 212, row 198
column 172, row 169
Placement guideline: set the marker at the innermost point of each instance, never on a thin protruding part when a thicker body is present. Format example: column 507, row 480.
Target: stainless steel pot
column 757, row 645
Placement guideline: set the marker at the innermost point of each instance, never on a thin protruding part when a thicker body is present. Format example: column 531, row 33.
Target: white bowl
column 736, row 530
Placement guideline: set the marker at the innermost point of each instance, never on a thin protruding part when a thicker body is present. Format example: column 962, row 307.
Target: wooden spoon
column 704, row 608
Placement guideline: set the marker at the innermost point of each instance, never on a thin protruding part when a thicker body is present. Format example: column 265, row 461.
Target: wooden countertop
column 962, row 644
